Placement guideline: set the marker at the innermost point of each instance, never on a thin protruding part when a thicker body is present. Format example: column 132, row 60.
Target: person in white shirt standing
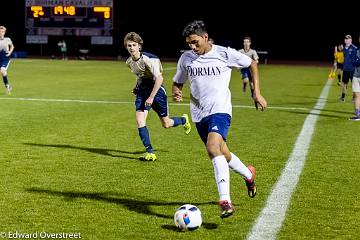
column 6, row 49
column 208, row 68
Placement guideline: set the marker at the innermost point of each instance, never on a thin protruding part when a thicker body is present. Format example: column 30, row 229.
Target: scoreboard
column 92, row 18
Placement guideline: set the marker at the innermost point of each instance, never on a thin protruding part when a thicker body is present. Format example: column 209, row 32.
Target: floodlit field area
column 70, row 146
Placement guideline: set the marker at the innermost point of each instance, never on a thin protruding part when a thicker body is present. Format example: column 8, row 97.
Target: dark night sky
column 296, row 30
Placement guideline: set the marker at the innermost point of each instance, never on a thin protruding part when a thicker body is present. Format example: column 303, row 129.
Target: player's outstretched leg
column 183, row 120
column 250, row 184
column 145, row 138
column 248, row 173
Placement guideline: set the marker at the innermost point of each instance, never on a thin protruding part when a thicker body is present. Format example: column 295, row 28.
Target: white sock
column 222, row 177
column 236, row 165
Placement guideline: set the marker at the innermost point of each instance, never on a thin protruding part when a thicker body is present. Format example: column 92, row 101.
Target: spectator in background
column 356, row 86
column 63, row 49
column 348, row 71
column 6, row 49
column 245, row 72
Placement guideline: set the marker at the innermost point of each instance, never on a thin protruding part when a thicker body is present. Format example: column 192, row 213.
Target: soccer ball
column 188, row 217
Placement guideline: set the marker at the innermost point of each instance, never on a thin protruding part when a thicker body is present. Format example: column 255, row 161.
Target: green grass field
column 69, row 148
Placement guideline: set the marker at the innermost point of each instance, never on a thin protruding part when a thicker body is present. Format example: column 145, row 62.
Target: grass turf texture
column 72, row 166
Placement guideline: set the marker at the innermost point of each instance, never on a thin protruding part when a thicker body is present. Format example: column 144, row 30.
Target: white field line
column 270, row 220
column 120, row 102
column 169, row 68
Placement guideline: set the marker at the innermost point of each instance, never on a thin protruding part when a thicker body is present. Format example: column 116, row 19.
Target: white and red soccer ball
column 188, row 217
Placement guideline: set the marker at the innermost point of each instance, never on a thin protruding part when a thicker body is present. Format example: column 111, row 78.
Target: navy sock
column 178, row 121
column 343, row 95
column 145, row 138
column 6, row 82
column 357, row 112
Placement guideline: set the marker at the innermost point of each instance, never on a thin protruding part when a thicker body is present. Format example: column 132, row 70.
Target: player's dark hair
column 195, row 27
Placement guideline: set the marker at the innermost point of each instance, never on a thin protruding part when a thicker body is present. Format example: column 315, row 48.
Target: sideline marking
column 119, row 102
column 270, row 220
column 169, row 68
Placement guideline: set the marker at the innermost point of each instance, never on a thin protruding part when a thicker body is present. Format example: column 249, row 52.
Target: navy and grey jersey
column 5, row 44
column 146, row 68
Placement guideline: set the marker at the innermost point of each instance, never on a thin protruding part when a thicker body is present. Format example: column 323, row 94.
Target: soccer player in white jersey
column 208, row 68
column 149, row 92
column 245, row 72
column 6, row 49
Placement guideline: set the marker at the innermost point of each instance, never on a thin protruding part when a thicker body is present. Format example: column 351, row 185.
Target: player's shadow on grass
column 139, row 206
column 101, row 151
column 203, row 225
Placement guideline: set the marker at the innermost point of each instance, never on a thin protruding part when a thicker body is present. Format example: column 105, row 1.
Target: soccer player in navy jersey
column 149, row 91
column 208, row 69
column 6, row 49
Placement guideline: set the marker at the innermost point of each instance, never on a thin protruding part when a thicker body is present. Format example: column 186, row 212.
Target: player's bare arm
column 158, row 81
column 177, row 92
column 257, row 96
column 11, row 49
column 136, row 88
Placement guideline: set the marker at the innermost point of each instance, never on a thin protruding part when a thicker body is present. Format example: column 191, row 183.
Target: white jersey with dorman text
column 209, row 76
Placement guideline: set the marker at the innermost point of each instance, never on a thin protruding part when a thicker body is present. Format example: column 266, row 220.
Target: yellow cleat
column 187, row 125
column 148, row 157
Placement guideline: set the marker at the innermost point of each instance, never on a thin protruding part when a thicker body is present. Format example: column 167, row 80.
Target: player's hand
column 177, row 96
column 260, row 100
column 135, row 91
column 149, row 101
column 8, row 54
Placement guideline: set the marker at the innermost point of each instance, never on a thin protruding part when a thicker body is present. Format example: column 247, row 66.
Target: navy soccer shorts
column 347, row 76
column 4, row 63
column 245, row 72
column 218, row 122
column 159, row 104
